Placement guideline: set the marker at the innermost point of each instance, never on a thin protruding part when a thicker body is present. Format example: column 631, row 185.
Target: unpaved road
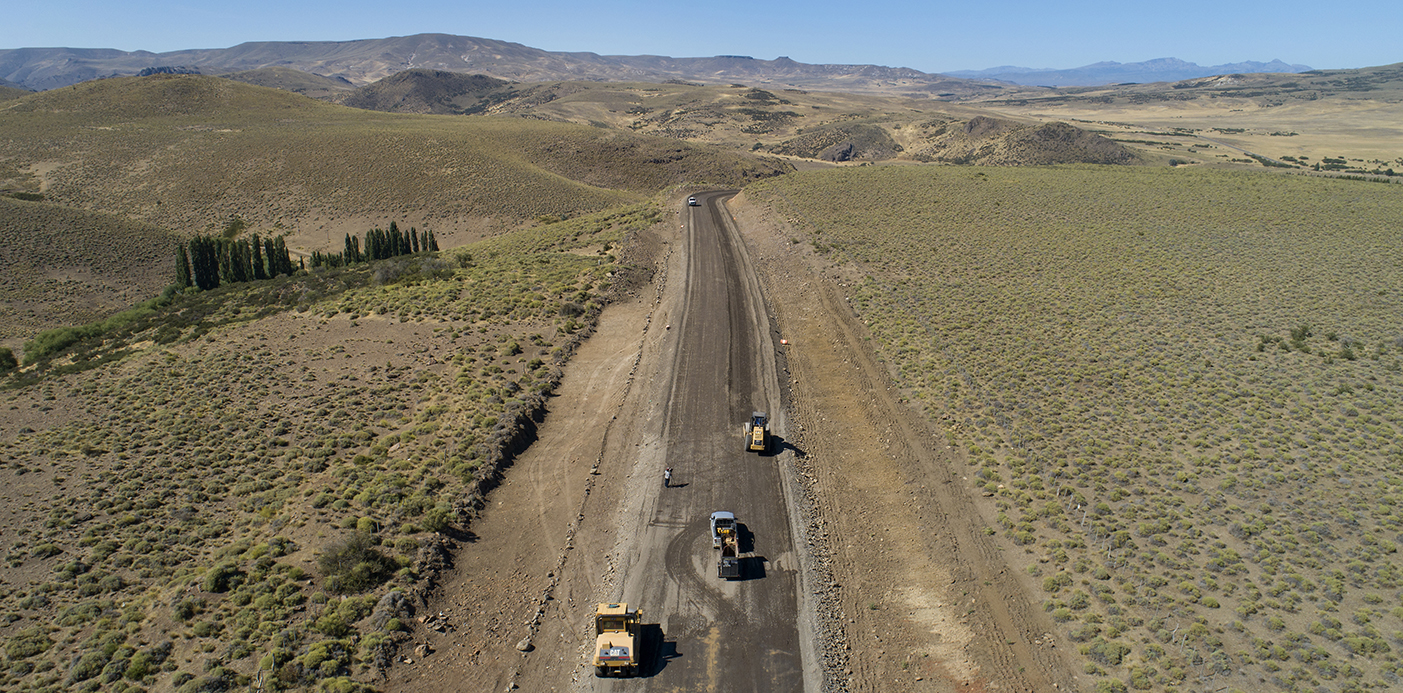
column 870, row 568
column 738, row 635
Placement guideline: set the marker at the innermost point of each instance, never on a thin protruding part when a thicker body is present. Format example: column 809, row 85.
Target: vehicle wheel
column 601, row 671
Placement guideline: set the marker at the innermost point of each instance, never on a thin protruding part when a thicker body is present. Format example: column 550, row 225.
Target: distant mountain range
column 362, row 62
column 1097, row 74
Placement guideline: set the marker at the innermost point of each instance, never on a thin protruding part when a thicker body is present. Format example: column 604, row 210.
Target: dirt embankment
column 927, row 600
column 515, row 609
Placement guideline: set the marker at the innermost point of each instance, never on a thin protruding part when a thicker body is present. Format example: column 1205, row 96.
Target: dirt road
column 869, row 569
column 744, row 634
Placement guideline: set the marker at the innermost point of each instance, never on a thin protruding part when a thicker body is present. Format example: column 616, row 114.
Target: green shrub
column 1108, row 652
column 223, row 577
column 27, row 643
column 140, row 666
column 86, row 666
column 187, row 609
column 342, row 684
column 438, row 517
column 355, row 565
column 1110, row 686
column 333, row 625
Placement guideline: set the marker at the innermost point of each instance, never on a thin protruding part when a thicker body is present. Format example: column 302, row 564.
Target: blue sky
column 928, row 36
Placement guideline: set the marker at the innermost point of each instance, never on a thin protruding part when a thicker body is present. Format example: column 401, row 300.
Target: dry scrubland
column 7, row 93
column 187, row 152
column 246, row 485
column 1179, row 391
column 66, row 266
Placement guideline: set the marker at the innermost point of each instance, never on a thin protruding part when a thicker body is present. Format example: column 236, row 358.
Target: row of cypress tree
column 211, row 261
column 379, row 244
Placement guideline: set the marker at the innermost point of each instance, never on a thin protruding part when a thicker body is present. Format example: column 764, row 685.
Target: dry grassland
column 254, row 486
column 1306, row 118
column 187, row 153
column 1177, row 390
column 64, row 266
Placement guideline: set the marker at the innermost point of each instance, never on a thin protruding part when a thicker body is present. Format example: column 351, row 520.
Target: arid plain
column 1088, row 417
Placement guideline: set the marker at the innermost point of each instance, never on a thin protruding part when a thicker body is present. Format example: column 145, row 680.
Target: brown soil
column 928, row 600
column 923, row 598
column 538, row 556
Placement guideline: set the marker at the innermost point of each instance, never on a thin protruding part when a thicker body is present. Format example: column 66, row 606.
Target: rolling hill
column 821, row 125
column 430, row 91
column 288, row 79
column 67, row 266
column 189, row 152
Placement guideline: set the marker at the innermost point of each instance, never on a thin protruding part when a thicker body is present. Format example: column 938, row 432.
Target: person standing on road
column 667, row 477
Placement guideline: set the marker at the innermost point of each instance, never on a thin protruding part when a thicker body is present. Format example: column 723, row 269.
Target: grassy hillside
column 65, row 266
column 430, row 91
column 187, row 152
column 9, row 92
column 255, row 478
column 287, row 79
column 1179, row 391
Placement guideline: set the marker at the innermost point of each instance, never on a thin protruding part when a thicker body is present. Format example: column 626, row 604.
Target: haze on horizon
column 940, row 37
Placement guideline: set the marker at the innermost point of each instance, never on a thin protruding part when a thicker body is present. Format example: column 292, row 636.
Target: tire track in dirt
column 527, row 575
column 928, row 602
column 681, row 552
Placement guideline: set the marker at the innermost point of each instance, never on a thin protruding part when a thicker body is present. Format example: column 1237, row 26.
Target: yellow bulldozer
column 757, row 432
column 616, row 631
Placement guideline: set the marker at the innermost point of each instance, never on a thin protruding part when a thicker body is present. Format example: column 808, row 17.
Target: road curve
column 742, row 635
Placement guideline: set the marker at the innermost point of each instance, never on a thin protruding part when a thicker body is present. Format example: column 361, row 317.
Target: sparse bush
column 354, row 564
column 1107, row 652
column 86, row 666
column 223, row 577
column 27, row 643
column 1110, row 686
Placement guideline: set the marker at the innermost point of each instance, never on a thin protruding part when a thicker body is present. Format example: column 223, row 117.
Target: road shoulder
column 925, row 600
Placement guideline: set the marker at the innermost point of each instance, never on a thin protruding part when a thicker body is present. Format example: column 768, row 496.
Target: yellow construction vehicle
column 757, row 433
column 725, row 535
column 616, row 629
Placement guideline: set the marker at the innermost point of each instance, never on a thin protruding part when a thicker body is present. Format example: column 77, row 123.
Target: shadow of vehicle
column 778, row 446
column 657, row 650
column 752, row 568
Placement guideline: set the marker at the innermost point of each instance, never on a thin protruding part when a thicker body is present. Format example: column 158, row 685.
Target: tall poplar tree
column 259, row 270
column 182, row 268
